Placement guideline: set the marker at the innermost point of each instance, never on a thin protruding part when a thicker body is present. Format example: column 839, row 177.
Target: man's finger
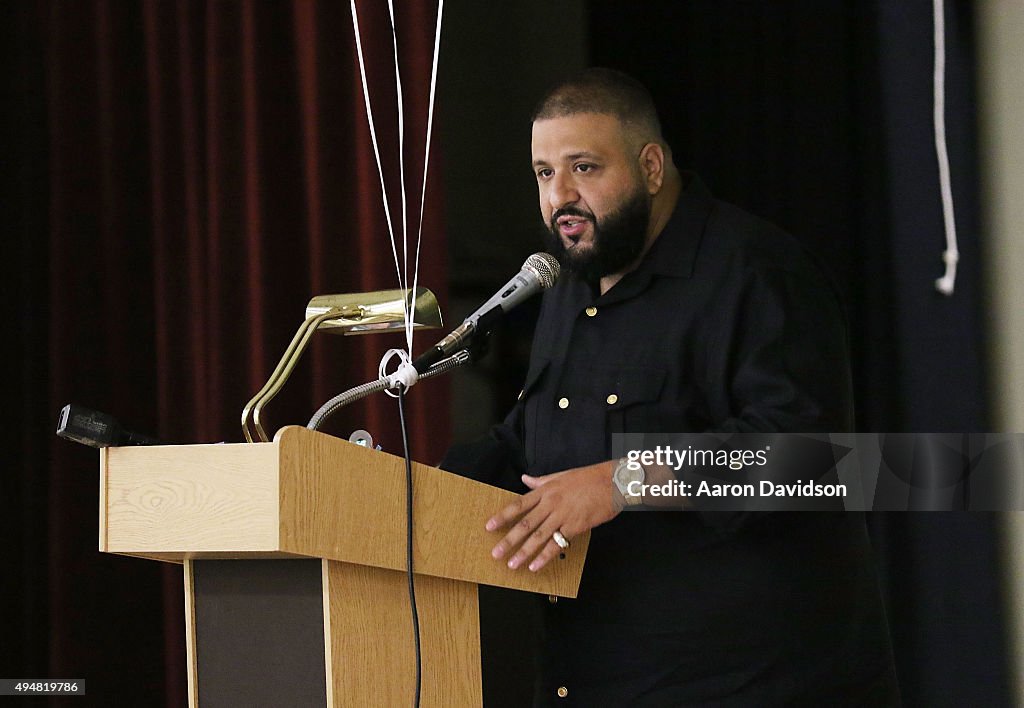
column 536, row 482
column 504, row 517
column 550, row 551
column 526, row 525
column 537, row 539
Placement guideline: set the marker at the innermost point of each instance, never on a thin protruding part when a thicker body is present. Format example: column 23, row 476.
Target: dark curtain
column 180, row 178
column 818, row 116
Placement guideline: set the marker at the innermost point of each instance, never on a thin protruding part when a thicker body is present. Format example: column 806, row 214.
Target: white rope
column 402, row 270
column 951, row 255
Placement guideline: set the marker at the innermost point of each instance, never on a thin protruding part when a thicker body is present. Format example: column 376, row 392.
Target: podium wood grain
column 368, row 628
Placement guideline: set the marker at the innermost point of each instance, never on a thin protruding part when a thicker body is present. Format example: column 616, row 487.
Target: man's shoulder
column 751, row 240
column 726, row 233
column 741, row 248
column 738, row 246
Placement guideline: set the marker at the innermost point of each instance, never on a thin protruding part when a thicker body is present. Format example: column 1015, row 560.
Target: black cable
column 408, row 541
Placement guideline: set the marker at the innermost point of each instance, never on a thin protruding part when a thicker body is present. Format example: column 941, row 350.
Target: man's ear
column 652, row 167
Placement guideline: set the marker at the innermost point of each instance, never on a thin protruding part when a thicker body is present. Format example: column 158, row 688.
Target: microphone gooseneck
column 362, row 391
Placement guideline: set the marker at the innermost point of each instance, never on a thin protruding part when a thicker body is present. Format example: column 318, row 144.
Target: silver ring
column 561, row 540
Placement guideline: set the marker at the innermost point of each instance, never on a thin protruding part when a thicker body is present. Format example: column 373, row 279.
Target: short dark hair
column 607, row 91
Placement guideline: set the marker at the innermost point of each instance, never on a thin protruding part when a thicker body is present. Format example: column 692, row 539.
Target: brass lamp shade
column 360, row 313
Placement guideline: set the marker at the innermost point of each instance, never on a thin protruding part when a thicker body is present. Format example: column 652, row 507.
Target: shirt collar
column 674, row 252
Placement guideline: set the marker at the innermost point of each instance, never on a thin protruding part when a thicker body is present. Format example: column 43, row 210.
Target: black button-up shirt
column 725, row 326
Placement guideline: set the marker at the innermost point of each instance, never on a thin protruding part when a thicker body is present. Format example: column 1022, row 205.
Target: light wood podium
column 294, row 554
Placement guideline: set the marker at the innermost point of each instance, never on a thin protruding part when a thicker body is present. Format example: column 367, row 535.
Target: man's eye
column 543, row 174
column 584, row 167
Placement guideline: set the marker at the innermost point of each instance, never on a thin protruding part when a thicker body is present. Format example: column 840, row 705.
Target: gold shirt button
column 591, row 311
column 612, row 399
column 553, row 599
column 562, row 691
column 563, row 403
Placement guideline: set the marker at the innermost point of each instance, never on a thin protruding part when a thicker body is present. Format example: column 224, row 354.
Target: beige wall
column 1001, row 94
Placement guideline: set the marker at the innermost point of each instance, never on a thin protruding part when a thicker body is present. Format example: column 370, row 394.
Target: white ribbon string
column 426, row 149
column 373, row 136
column 403, row 281
column 951, row 255
column 402, row 269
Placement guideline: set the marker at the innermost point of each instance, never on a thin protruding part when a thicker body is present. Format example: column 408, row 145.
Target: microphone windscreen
column 545, row 266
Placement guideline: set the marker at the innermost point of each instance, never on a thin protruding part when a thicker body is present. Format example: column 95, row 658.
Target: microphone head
column 545, row 267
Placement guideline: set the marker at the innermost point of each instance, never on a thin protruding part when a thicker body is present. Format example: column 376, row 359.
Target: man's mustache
column 570, row 211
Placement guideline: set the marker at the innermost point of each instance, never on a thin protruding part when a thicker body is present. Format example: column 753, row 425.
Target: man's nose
column 562, row 191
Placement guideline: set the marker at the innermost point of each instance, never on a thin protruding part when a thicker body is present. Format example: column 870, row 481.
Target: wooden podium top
column 308, row 494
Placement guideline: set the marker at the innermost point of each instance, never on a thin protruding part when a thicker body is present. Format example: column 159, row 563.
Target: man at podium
column 675, row 312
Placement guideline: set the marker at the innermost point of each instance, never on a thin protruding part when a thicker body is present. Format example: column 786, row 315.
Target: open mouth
column 572, row 226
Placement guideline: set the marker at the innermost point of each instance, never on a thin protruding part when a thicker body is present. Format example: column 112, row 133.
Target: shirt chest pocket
column 619, row 399
column 571, row 413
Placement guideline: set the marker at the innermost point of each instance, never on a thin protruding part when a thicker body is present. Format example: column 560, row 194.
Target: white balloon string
column 426, row 149
column 403, row 282
column 402, row 269
column 373, row 138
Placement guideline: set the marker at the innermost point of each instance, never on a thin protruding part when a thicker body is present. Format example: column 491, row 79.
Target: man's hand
column 573, row 501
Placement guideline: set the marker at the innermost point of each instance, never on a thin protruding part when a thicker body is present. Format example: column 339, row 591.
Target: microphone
column 96, row 429
column 539, row 272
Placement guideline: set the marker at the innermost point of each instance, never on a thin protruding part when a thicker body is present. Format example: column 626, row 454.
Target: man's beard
column 618, row 239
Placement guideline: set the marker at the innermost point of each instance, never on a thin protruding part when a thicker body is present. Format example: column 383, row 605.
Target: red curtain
column 192, row 173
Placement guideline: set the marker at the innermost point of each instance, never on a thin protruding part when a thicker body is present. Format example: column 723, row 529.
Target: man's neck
column 662, row 205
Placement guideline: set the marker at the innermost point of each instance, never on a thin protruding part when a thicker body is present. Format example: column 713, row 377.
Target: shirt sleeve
column 783, row 354
column 497, row 458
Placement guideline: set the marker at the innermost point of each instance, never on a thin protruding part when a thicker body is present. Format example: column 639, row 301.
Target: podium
column 294, row 555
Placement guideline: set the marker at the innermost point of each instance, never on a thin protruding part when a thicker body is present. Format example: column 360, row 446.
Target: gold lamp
column 350, row 313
